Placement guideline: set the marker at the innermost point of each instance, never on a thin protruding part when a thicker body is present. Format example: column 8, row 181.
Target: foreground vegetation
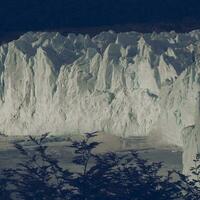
column 111, row 176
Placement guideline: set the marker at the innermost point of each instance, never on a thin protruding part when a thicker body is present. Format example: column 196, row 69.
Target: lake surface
column 171, row 156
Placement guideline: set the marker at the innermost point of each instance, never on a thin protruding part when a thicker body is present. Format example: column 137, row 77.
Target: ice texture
column 127, row 84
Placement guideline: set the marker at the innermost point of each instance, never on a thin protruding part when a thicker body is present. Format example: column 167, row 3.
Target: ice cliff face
column 191, row 142
column 126, row 84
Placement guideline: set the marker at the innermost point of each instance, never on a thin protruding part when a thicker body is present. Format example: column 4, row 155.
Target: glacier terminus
column 127, row 84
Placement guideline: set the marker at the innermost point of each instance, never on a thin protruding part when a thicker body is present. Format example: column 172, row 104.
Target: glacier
column 127, row 84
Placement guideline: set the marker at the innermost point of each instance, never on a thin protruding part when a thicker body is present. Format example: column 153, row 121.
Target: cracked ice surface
column 127, row 84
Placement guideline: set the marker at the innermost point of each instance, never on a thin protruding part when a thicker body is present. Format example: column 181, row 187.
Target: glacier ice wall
column 128, row 84
column 191, row 142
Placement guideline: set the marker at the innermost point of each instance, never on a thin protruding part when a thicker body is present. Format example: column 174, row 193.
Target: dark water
column 58, row 147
